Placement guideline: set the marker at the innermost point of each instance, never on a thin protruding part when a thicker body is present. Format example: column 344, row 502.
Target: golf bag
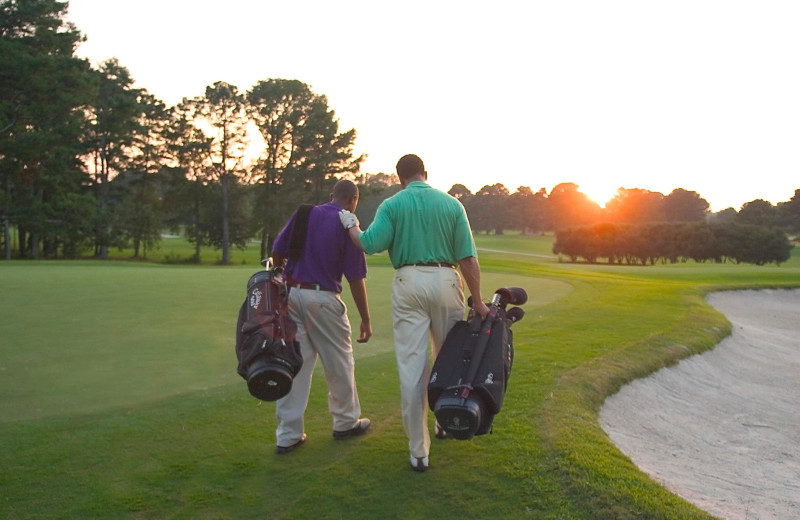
column 269, row 356
column 470, row 374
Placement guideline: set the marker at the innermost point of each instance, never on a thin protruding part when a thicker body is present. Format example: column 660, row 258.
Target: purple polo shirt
column 328, row 254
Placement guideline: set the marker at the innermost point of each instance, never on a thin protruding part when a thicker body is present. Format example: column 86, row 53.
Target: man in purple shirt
column 323, row 329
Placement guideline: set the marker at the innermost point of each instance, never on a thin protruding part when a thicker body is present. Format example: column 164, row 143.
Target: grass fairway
column 119, row 397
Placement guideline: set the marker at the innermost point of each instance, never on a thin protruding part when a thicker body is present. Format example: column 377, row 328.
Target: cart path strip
column 514, row 253
column 721, row 429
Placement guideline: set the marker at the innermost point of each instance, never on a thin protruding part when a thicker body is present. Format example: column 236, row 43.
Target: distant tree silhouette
column 488, row 209
column 222, row 109
column 685, row 206
column 635, row 206
column 44, row 90
column 569, row 207
column 371, row 193
column 529, row 210
column 789, row 213
column 115, row 121
column 460, row 192
column 726, row 216
column 758, row 212
column 305, row 152
column 649, row 243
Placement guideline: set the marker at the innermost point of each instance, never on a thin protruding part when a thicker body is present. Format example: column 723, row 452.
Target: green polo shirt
column 420, row 224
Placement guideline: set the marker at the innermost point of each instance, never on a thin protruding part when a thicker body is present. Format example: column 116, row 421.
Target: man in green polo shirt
column 427, row 234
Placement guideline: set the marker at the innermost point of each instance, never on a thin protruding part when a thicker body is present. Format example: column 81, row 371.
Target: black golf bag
column 269, row 356
column 470, row 374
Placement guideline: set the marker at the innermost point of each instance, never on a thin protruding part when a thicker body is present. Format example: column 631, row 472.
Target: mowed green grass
column 177, row 250
column 119, row 397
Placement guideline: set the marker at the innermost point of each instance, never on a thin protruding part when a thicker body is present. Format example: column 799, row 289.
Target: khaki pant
column 426, row 303
column 323, row 330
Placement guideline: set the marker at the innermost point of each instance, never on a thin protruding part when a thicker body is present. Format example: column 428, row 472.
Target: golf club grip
column 512, row 295
column 515, row 314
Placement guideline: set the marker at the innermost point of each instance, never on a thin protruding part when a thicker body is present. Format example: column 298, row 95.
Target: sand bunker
column 722, row 429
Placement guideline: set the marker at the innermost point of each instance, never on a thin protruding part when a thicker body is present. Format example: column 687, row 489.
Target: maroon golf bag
column 470, row 374
column 269, row 356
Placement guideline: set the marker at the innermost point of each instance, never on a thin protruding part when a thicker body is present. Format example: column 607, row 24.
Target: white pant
column 322, row 329
column 426, row 302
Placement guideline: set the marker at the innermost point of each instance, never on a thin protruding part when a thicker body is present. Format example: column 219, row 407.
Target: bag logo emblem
column 255, row 298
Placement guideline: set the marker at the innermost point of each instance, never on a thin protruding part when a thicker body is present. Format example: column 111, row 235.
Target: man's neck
column 415, row 178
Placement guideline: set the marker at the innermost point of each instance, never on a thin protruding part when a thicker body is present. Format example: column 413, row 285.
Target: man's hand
column 366, row 332
column 349, row 220
column 481, row 309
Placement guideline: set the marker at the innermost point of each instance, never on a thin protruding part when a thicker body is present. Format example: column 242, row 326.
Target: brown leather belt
column 432, row 264
column 313, row 286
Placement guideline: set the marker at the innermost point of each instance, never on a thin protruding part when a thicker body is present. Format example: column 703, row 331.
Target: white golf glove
column 348, row 219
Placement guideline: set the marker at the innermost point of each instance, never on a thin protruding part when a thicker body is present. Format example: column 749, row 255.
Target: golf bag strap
column 297, row 240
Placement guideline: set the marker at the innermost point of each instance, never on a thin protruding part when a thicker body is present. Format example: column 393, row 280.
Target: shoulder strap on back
column 297, row 240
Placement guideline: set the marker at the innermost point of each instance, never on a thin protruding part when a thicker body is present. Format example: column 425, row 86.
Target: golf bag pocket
column 268, row 353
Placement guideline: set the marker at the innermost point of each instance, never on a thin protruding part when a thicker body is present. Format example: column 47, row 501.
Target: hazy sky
column 701, row 95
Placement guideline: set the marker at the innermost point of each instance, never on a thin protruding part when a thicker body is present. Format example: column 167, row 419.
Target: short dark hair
column 345, row 190
column 409, row 165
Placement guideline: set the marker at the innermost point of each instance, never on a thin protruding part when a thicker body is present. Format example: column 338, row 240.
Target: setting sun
column 599, row 194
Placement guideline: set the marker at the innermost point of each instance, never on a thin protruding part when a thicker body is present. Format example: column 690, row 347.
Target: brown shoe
column 283, row 450
column 419, row 464
column 360, row 428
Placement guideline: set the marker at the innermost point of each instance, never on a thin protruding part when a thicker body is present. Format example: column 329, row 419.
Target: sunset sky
column 700, row 95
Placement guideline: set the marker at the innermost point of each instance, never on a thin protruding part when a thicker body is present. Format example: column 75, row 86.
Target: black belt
column 314, row 286
column 432, row 264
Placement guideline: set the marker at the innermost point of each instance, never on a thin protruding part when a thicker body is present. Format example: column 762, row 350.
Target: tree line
column 90, row 163
column 637, row 226
column 649, row 243
column 494, row 209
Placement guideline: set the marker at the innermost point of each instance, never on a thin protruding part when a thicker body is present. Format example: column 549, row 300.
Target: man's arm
column 358, row 289
column 471, row 270
column 352, row 226
column 355, row 233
